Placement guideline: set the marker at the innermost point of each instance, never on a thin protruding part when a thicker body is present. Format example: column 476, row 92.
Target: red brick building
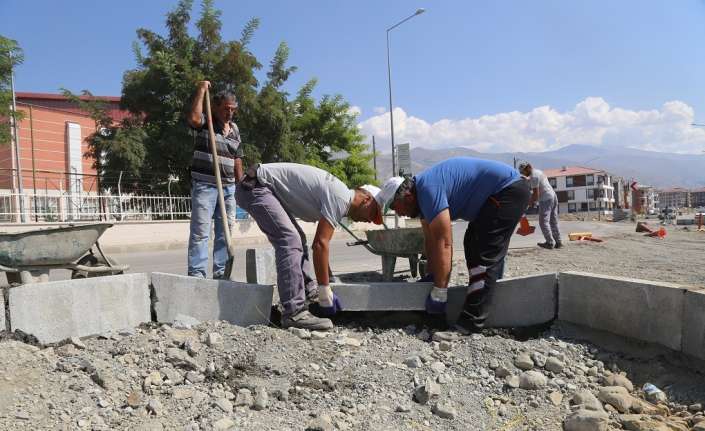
column 52, row 143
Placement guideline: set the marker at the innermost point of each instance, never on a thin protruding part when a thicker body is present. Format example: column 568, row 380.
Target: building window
column 569, row 181
column 591, row 193
column 552, row 182
column 571, row 208
column 571, row 195
column 589, row 180
column 593, row 205
column 583, row 206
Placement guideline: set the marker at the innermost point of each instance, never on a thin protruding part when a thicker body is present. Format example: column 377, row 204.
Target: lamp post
column 389, row 78
column 20, row 187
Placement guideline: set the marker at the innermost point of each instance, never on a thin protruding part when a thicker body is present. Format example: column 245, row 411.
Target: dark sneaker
column 546, row 245
column 305, row 320
column 558, row 244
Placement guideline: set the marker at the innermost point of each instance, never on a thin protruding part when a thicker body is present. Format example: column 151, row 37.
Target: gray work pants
column 548, row 220
column 294, row 277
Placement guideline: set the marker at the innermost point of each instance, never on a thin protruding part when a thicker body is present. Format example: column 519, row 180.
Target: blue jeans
column 204, row 208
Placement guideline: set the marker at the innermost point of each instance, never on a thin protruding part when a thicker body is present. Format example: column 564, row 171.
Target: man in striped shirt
column 204, row 193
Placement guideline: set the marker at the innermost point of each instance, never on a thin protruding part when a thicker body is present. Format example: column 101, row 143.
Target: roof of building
column 699, row 190
column 571, row 170
column 61, row 102
column 674, row 190
column 51, row 96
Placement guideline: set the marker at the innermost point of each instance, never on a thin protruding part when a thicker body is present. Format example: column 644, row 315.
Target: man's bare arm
column 195, row 117
column 427, row 245
column 321, row 251
column 441, row 246
column 238, row 170
column 534, row 197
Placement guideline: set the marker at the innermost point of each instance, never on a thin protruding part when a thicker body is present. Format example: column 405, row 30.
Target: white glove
column 439, row 294
column 325, row 295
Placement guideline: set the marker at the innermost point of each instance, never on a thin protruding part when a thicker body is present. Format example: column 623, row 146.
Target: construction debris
column 583, row 236
column 651, row 232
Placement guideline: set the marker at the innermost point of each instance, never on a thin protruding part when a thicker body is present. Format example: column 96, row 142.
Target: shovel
column 221, row 197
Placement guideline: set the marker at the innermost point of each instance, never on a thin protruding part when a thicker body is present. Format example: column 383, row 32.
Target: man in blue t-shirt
column 491, row 196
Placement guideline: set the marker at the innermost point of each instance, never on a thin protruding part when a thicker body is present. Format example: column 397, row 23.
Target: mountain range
column 662, row 170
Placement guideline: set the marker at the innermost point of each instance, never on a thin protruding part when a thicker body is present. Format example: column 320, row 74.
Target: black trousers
column 486, row 243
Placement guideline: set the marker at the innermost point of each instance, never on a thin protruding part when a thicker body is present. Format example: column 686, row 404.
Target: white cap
column 373, row 190
column 389, row 189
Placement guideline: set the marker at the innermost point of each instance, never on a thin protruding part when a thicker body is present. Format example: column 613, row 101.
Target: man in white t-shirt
column 548, row 205
column 275, row 195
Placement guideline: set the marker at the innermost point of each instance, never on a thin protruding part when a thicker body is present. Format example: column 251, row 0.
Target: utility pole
column 20, row 187
column 374, row 155
column 34, row 167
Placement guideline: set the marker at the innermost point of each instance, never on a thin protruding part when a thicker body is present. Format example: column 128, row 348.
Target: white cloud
column 593, row 121
column 379, row 110
column 356, row 110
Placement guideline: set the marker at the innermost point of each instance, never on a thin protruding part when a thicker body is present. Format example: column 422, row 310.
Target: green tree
column 273, row 128
column 10, row 56
column 115, row 148
column 329, row 127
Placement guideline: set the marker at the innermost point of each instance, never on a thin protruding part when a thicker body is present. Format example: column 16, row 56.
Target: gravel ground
column 373, row 372
column 677, row 258
column 215, row 376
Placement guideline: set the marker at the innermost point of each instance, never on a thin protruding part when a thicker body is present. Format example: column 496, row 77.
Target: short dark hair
column 408, row 185
column 222, row 96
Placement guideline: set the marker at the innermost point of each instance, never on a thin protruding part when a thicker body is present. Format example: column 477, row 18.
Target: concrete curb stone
column 58, row 310
column 644, row 310
column 238, row 303
column 694, row 324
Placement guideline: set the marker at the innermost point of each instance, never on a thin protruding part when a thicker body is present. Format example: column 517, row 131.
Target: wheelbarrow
column 391, row 244
column 27, row 257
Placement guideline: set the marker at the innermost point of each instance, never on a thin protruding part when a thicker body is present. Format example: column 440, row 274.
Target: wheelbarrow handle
column 347, row 229
column 358, row 242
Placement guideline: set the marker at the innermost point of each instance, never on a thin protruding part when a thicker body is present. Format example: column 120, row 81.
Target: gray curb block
column 241, row 304
column 58, row 310
column 664, row 314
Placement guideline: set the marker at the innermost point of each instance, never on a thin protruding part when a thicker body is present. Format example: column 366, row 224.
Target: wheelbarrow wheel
column 92, row 260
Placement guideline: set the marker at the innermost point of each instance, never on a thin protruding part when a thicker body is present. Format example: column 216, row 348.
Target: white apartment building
column 581, row 189
column 676, row 197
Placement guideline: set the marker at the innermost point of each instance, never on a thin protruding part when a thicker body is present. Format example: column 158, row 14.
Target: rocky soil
column 677, row 258
column 373, row 372
column 215, row 376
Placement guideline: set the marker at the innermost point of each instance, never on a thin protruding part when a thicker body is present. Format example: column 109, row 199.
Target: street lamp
column 20, row 187
column 389, row 77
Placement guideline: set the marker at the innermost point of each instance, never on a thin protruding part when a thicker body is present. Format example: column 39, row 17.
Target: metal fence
column 66, row 207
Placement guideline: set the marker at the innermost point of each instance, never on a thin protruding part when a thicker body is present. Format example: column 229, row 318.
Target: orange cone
column 524, row 227
column 661, row 233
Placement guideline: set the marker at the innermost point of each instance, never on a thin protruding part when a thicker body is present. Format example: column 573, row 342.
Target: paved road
column 348, row 259
column 344, row 259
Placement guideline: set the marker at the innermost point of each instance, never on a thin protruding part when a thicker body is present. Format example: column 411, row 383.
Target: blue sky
column 492, row 75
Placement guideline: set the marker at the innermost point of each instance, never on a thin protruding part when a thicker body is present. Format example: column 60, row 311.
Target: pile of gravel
column 216, row 376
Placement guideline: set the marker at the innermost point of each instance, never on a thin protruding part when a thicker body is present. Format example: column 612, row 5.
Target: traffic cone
column 661, row 233
column 524, row 227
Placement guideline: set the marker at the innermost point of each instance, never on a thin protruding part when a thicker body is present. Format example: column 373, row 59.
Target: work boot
column 558, row 244
column 305, row 320
column 546, row 245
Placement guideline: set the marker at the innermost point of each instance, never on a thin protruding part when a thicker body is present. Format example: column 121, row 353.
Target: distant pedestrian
column 548, row 205
column 204, row 193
